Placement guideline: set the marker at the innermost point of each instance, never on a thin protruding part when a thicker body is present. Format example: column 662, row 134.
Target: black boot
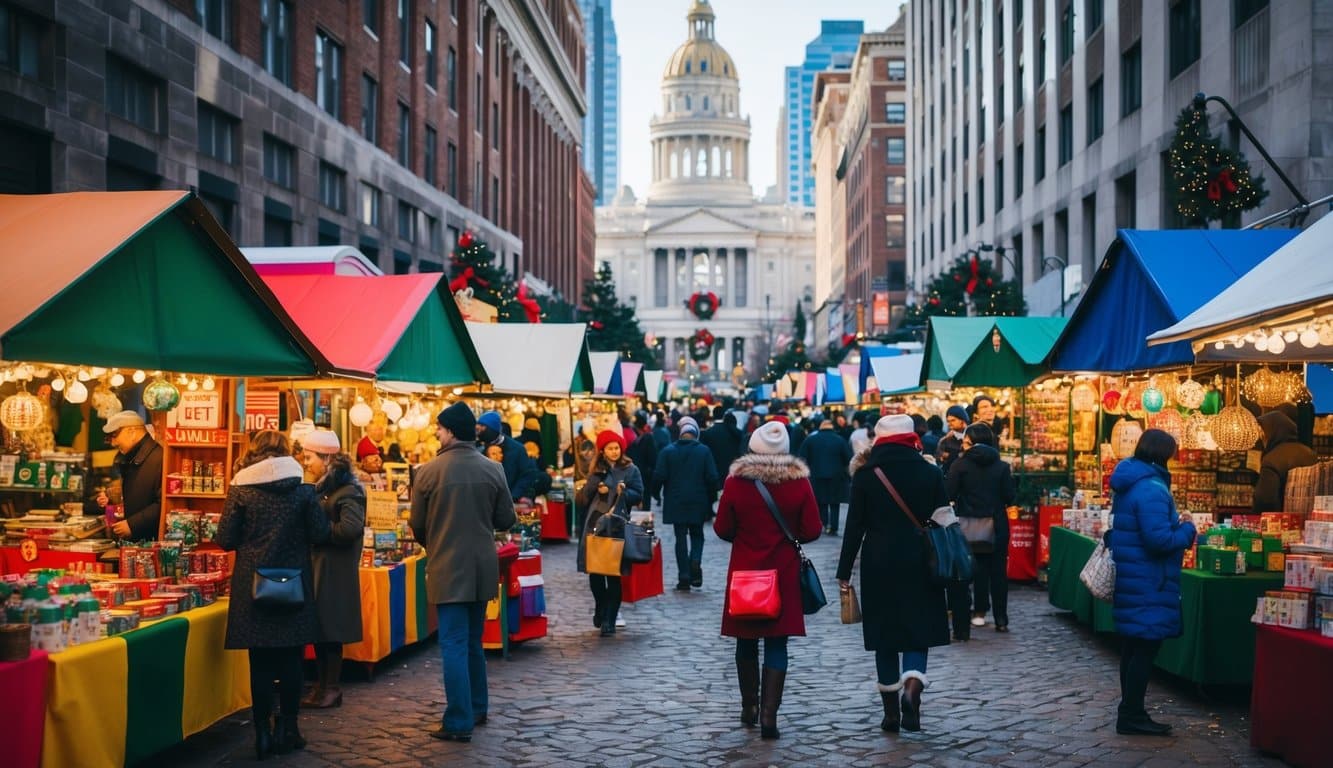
column 597, row 614
column 287, row 736
column 263, row 731
column 696, row 575
column 770, row 699
column 911, row 703
column 889, row 695
column 747, row 675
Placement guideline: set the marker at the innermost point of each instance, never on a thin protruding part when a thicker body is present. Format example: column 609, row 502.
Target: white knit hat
column 321, row 441
column 897, row 424
column 770, row 438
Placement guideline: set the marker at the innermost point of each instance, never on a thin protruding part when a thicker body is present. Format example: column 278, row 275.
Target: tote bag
column 948, row 555
column 1098, row 574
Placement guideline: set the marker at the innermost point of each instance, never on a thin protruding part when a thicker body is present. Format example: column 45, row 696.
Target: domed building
column 700, row 229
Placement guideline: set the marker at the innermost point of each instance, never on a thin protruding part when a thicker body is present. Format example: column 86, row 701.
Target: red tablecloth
column 23, row 708
column 11, row 560
column 1047, row 516
column 1293, row 673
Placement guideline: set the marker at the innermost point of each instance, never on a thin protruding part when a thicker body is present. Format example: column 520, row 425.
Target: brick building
column 390, row 125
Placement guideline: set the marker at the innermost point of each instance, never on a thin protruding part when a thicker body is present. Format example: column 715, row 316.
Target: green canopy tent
column 988, row 351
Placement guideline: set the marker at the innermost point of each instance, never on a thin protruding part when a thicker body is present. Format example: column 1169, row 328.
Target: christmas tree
column 612, row 326
column 969, row 281
column 473, row 266
column 1210, row 181
column 793, row 355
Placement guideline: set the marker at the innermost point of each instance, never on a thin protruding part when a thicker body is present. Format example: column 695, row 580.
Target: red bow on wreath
column 976, row 274
column 1222, row 182
column 460, row 282
column 530, row 306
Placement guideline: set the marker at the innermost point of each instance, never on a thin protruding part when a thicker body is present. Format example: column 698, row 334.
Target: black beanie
column 459, row 419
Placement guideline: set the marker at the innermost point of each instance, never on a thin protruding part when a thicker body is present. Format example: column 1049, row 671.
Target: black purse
column 278, row 590
column 812, row 592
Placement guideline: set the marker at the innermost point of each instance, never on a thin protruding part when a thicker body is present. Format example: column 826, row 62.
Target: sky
column 762, row 36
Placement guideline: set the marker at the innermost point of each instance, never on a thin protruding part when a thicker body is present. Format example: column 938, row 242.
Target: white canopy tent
column 897, row 373
column 529, row 358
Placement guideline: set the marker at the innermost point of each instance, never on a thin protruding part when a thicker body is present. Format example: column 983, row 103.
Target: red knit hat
column 366, row 448
column 608, row 436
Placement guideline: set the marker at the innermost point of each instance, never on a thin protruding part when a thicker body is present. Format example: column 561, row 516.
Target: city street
column 662, row 692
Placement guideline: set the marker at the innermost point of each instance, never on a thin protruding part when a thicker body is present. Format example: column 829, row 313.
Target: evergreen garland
column 473, row 266
column 969, row 280
column 1210, row 181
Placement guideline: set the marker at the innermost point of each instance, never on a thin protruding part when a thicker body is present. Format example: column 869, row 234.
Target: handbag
column 278, row 590
column 638, row 543
column 979, row 532
column 851, row 607
column 754, row 595
column 812, row 592
column 1098, row 574
column 948, row 555
column 602, row 554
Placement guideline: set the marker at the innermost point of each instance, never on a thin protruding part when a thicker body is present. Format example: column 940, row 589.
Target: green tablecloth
column 1217, row 645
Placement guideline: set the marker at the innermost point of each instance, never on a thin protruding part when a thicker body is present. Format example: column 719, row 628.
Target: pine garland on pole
column 1210, row 181
column 793, row 356
column 969, row 281
column 473, row 266
column 612, row 326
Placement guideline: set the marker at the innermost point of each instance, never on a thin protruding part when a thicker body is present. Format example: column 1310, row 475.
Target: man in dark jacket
column 724, row 439
column 930, row 442
column 661, row 435
column 520, row 471
column 981, row 487
column 686, row 480
column 1283, row 452
column 643, row 452
column 139, row 464
column 951, row 445
column 827, row 455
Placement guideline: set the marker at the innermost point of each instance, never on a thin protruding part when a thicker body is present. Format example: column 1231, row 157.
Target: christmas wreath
column 702, row 305
column 701, row 345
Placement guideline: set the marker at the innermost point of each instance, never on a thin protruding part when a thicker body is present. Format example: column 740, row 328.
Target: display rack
column 199, row 444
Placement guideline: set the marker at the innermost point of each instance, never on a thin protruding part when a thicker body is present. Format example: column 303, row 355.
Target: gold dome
column 700, row 54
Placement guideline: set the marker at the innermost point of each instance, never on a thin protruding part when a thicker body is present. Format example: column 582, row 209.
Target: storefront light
column 139, row 377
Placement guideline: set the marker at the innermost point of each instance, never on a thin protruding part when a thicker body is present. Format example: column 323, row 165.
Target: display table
column 122, row 699
column 1217, row 642
column 23, row 708
column 394, row 610
column 1293, row 671
column 11, row 560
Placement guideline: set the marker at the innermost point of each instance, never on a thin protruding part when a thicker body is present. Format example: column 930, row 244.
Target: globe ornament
column 161, row 395
column 360, row 414
column 1171, row 422
column 1111, row 402
column 22, row 411
column 1125, row 437
column 1235, row 429
column 1190, row 394
column 1133, row 400
column 1197, row 434
column 391, row 409
column 1153, row 400
column 1266, row 388
column 1212, row 403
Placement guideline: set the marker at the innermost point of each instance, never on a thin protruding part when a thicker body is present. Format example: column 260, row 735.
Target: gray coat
column 460, row 499
column 271, row 520
column 597, row 504
column 337, row 563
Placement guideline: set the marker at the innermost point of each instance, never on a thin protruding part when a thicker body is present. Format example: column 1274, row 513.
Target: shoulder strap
column 894, row 493
column 773, row 508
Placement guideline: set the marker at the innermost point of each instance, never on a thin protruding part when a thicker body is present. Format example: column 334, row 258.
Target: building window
column 897, row 69
column 495, row 199
column 476, row 103
column 328, row 74
column 432, row 138
column 476, row 186
column 1066, row 134
column 999, row 185
column 1184, row 25
column 1067, row 33
column 434, row 233
column 451, row 76
column 21, row 42
column 370, row 109
column 453, row 10
column 370, row 205
column 1095, row 115
column 1131, row 80
column 1246, row 10
column 277, row 232
column 1041, row 58
column 981, row 200
column 217, row 133
column 895, row 230
column 451, row 168
column 896, row 151
column 405, row 32
column 740, row 276
column 279, row 162
column 133, row 94
column 275, row 25
column 432, row 68
column 370, row 16
column 404, row 135
column 1092, row 16
column 1019, row 88
column 332, row 187
column 215, row 17
column 1039, row 159
column 895, row 112
column 895, row 190
column 495, row 125
column 1019, row 169
column 407, row 222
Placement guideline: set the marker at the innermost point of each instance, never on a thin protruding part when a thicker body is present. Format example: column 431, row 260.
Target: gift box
column 1300, row 571
column 1252, row 544
column 1275, row 562
column 1222, row 536
column 1221, row 560
column 1247, row 522
column 1323, row 615
column 1276, row 522
column 1191, row 557
column 532, row 597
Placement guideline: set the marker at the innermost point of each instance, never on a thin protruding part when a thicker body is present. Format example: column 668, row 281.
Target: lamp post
column 1063, row 264
column 1014, row 258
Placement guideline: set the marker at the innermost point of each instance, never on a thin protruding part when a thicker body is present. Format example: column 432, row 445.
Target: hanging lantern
column 1265, row 388
column 1171, row 422
column 1083, row 398
column 1235, row 429
column 76, row 392
column 1153, row 400
column 160, row 395
column 1212, row 403
column 1297, row 392
column 1168, row 384
column 392, row 410
column 1111, row 402
column 360, row 414
column 22, row 411
column 1189, row 393
column 1197, row 434
column 1133, row 400
column 1125, row 437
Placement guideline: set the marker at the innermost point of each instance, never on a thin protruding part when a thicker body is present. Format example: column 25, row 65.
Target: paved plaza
column 662, row 692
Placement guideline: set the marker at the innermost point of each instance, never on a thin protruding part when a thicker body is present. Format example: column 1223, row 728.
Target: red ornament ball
column 957, row 278
column 934, row 302
column 465, row 240
column 989, row 282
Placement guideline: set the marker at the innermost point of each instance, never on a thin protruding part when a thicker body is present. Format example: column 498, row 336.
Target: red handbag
column 753, row 595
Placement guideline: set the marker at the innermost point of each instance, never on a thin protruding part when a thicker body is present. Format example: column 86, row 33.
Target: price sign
column 199, row 410
column 381, row 510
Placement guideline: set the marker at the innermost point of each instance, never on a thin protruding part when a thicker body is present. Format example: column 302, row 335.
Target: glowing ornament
column 1171, row 422
column 1153, row 400
column 1309, row 338
column 1235, row 429
column 209, row 385
column 161, row 395
column 58, row 384
column 1083, row 398
column 1111, row 402
column 117, row 379
column 22, row 411
column 1190, row 394
column 1326, row 335
column 76, row 392
column 1125, row 437
column 360, row 414
column 139, row 377
column 1276, row 345
column 392, row 410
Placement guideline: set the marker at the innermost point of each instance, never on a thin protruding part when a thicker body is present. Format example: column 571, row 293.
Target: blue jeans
column 886, row 664
column 694, row 554
column 464, row 664
column 775, row 651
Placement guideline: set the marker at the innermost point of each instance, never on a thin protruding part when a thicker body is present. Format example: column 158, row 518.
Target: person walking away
column 723, row 439
column 827, row 456
column 902, row 611
column 860, row 439
column 951, row 445
column 336, row 563
column 758, row 543
column 520, row 471
column 1148, row 540
column 981, row 486
column 271, row 519
column 614, row 487
column 459, row 500
column 930, row 442
column 1283, row 452
column 643, row 452
column 139, row 463
column 661, row 435
column 686, row 480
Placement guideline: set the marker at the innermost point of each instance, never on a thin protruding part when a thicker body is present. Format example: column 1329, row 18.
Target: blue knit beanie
column 956, row 411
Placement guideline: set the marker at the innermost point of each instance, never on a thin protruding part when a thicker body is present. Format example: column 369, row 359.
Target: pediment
column 701, row 221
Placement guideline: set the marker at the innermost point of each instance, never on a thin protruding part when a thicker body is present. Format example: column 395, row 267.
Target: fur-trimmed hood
column 270, row 470
column 769, row 467
column 859, row 460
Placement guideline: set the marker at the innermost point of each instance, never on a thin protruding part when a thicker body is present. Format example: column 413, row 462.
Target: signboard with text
column 261, row 409
column 879, row 315
column 200, row 409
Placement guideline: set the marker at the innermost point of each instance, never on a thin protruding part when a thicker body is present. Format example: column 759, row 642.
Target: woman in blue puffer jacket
column 1147, row 541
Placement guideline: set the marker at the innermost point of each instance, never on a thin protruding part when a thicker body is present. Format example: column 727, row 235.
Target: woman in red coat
column 758, row 543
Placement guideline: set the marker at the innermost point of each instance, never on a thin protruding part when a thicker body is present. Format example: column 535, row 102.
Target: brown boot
column 747, row 674
column 770, row 698
column 329, row 688
column 888, row 694
column 913, row 684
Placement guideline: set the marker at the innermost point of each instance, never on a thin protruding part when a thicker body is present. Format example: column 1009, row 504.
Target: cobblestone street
column 662, row 692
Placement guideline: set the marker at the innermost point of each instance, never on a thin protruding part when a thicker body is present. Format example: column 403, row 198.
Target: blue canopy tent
column 867, row 354
column 1149, row 280
column 833, row 390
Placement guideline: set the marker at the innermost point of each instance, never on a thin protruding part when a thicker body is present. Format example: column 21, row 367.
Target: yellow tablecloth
column 394, row 610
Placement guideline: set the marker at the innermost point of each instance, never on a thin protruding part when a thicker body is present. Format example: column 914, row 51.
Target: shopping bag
column 1098, row 574
column 851, row 607
column 603, row 554
column 979, row 532
column 753, row 595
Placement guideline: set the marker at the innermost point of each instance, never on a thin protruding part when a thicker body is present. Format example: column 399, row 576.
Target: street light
column 1014, row 259
column 1063, row 265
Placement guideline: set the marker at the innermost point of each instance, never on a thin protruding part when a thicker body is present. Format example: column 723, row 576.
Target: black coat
column 981, row 485
column 827, row 455
column 337, row 562
column 724, row 441
column 901, row 610
column 948, row 450
column 271, row 520
column 520, row 470
column 1283, row 453
column 643, row 452
column 686, row 479
column 140, row 473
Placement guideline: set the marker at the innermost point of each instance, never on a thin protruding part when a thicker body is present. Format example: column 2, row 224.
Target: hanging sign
column 261, row 409
column 198, row 410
